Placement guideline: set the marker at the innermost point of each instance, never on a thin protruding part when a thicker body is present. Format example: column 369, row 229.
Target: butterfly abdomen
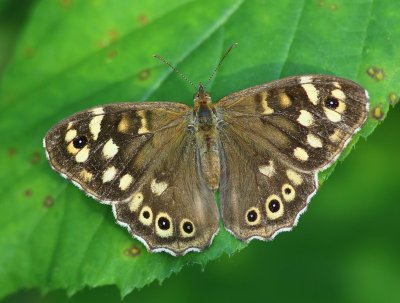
column 207, row 142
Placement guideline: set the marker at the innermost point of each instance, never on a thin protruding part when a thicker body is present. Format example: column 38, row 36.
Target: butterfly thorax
column 205, row 124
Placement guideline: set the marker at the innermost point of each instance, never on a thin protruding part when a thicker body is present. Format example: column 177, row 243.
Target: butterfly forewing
column 283, row 133
column 101, row 149
column 141, row 158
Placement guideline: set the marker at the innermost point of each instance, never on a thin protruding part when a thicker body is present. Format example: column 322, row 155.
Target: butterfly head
column 202, row 97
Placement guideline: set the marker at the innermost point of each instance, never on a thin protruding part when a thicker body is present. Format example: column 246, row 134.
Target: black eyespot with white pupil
column 274, row 205
column 163, row 223
column 332, row 103
column 80, row 142
column 187, row 227
column 252, row 216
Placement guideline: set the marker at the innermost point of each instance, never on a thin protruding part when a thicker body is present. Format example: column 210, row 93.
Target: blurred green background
column 346, row 247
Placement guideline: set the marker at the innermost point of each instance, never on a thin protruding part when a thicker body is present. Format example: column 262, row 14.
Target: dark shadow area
column 13, row 17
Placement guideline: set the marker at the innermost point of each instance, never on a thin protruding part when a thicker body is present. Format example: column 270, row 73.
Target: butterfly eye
column 146, row 215
column 274, row 205
column 188, row 227
column 163, row 223
column 332, row 103
column 251, row 216
column 164, row 227
column 80, row 142
column 288, row 192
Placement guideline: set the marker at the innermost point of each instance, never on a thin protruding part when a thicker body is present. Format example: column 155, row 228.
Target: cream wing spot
column 110, row 149
column 288, row 192
column 70, row 125
column 312, row 93
column 338, row 94
column 294, row 177
column 86, row 175
column 300, row 154
column 253, row 216
column 267, row 170
column 98, row 111
column 274, row 207
column 70, row 135
column 143, row 128
column 158, row 188
column 314, row 141
column 82, row 154
column 305, row 118
column 123, row 125
column 337, row 85
column 305, row 79
column 342, row 107
column 332, row 115
column 109, row 174
column 336, row 136
column 72, row 149
column 136, row 201
column 264, row 103
column 284, row 100
column 146, row 216
column 164, row 225
column 95, row 126
column 125, row 181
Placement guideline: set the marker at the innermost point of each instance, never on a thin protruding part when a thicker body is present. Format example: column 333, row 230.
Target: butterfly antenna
column 174, row 69
column 220, row 62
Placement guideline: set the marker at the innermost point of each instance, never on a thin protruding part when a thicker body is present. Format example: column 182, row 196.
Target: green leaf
column 77, row 54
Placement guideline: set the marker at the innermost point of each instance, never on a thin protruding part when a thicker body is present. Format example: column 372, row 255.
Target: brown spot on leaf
column 132, row 251
column 323, row 4
column 28, row 52
column 35, row 158
column 28, row 192
column 144, row 74
column 66, row 3
column 48, row 201
column 376, row 73
column 111, row 54
column 113, row 34
column 143, row 19
column 378, row 113
column 393, row 99
column 12, row 152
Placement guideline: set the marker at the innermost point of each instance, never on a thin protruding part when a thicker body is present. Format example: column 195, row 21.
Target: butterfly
column 159, row 164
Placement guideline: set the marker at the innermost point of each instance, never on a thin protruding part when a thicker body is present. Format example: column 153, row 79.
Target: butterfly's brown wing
column 274, row 139
column 141, row 158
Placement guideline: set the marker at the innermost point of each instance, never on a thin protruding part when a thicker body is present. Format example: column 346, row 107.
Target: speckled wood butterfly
column 159, row 164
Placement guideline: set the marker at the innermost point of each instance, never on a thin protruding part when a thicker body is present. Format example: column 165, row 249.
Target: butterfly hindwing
column 282, row 133
column 260, row 200
column 172, row 208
